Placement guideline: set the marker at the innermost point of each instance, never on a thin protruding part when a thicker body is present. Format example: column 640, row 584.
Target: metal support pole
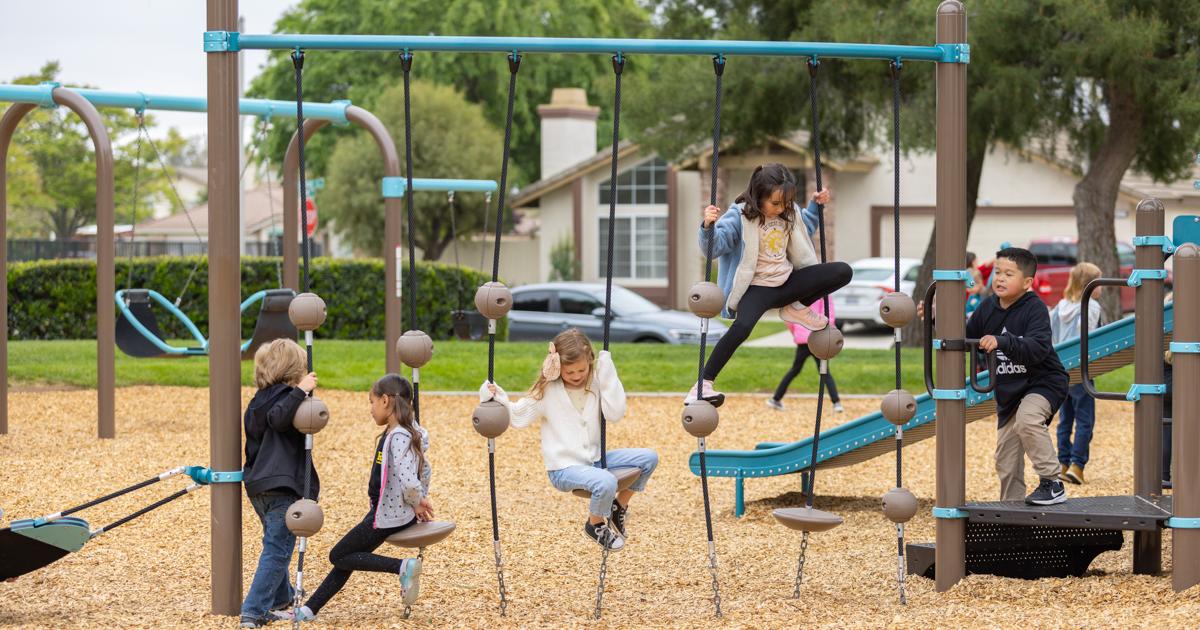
column 8, row 125
column 950, row 247
column 1148, row 368
column 106, row 310
column 1185, row 542
column 392, row 214
column 224, row 297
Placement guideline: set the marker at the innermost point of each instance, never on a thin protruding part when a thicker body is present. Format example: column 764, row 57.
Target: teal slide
column 1110, row 347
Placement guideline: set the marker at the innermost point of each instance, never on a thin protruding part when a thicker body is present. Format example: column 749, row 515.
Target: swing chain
column 712, row 569
column 500, row 580
column 800, row 566
column 600, row 585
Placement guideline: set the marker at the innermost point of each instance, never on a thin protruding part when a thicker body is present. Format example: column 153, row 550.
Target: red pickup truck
column 1056, row 256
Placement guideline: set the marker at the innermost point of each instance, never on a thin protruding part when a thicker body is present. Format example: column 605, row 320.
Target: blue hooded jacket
column 728, row 243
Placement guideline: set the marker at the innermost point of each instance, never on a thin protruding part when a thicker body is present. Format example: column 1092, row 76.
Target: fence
column 33, row 249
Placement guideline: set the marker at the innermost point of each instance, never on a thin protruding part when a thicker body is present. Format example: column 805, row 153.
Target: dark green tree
column 481, row 78
column 452, row 139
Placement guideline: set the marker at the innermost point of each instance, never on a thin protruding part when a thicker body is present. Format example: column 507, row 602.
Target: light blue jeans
column 601, row 483
column 271, row 587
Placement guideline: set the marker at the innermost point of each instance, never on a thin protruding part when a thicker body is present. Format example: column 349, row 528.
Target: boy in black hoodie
column 1030, row 381
column 274, row 471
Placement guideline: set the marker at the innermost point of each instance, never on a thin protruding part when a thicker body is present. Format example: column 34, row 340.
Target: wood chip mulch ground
column 154, row 572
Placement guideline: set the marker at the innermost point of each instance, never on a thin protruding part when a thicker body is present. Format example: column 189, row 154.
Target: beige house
column 1022, row 196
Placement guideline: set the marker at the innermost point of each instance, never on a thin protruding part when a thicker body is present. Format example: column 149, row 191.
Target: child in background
column 274, row 472
column 800, row 336
column 1078, row 410
column 765, row 259
column 573, row 389
column 1030, row 380
column 399, row 494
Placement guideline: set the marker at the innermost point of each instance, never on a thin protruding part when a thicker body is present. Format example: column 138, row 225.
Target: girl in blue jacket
column 766, row 260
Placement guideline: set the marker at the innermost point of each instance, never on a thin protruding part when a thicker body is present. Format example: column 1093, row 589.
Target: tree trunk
column 914, row 336
column 1095, row 195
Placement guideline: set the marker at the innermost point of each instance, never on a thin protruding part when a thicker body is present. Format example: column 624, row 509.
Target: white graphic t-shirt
column 773, row 267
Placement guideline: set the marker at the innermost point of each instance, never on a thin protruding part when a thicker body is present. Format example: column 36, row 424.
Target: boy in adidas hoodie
column 1030, row 381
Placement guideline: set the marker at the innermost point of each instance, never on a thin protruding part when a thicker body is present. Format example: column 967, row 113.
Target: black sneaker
column 617, row 519
column 1049, row 492
column 251, row 622
column 604, row 536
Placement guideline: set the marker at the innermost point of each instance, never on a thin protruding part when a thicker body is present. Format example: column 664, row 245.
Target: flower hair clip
column 552, row 366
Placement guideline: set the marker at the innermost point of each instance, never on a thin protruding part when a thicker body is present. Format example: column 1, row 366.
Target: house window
column 644, row 184
column 639, row 247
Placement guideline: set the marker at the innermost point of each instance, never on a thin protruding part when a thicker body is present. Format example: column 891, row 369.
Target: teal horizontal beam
column 229, row 41
column 396, row 186
column 40, row 94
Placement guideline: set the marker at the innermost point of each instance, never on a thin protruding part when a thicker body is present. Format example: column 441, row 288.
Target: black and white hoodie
column 1026, row 360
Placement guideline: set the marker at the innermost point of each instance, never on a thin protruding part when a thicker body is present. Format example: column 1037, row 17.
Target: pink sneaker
column 711, row 395
column 797, row 313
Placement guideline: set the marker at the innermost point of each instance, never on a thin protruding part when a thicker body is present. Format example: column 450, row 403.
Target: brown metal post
column 1185, row 542
column 106, row 309
column 393, row 325
column 291, row 205
column 951, row 235
column 8, row 126
column 1148, row 369
column 224, row 295
column 105, row 252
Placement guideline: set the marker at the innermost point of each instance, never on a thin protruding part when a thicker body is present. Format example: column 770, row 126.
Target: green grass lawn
column 460, row 365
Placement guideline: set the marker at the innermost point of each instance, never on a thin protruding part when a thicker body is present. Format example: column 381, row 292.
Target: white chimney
column 568, row 130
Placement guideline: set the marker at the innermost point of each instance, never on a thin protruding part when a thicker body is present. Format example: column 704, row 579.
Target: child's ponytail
column 400, row 393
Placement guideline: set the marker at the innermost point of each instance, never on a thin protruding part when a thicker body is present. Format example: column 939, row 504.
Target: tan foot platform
column 422, row 535
column 625, row 478
column 807, row 519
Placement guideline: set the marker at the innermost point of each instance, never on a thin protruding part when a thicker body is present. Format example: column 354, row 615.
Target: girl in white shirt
column 573, row 389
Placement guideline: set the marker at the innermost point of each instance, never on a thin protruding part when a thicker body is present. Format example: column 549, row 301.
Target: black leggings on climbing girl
column 805, row 285
column 354, row 553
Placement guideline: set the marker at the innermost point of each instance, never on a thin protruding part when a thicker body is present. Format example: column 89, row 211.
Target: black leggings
column 805, row 285
column 802, row 354
column 353, row 553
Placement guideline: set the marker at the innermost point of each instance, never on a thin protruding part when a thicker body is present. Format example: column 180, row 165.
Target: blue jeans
column 601, row 483
column 271, row 587
column 1079, row 410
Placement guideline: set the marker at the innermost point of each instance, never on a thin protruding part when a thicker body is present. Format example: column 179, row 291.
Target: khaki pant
column 1026, row 432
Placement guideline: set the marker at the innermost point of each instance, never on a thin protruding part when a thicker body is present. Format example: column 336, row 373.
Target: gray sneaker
column 777, row 405
column 604, row 536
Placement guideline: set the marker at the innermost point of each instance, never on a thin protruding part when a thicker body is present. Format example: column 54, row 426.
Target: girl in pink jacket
column 800, row 336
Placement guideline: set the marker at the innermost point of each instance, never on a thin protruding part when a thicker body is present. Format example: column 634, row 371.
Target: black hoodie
column 274, row 448
column 1026, row 360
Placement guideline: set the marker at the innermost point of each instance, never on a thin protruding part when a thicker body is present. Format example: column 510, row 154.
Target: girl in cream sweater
column 574, row 388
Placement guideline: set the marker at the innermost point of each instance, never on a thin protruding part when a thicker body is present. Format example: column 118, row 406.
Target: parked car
column 541, row 311
column 1057, row 255
column 858, row 302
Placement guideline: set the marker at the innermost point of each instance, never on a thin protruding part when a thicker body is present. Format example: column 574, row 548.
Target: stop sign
column 310, row 216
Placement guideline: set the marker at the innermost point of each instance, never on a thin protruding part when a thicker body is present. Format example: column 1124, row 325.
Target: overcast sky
column 124, row 45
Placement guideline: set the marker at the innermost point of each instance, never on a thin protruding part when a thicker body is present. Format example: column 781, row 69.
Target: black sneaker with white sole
column 617, row 519
column 1049, row 492
column 604, row 536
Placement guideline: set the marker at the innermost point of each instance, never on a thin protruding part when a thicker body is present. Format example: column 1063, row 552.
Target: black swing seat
column 421, row 535
column 806, row 519
column 146, row 343
column 273, row 321
column 27, row 546
column 625, row 478
column 468, row 325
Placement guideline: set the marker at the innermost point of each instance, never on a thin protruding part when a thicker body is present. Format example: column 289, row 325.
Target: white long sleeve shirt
column 569, row 437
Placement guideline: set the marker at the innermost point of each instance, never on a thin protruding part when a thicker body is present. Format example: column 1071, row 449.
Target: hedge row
column 56, row 299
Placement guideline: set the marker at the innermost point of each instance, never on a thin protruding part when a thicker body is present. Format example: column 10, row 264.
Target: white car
column 858, row 302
